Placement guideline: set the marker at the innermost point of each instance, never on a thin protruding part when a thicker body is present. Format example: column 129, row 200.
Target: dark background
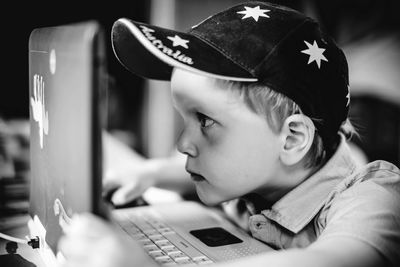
column 21, row 17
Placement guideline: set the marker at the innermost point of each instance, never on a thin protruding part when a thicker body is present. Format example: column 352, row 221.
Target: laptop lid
column 66, row 79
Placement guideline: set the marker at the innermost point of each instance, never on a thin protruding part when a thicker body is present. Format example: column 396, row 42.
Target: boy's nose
column 185, row 144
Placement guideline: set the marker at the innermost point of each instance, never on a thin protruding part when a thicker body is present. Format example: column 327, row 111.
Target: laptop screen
column 66, row 80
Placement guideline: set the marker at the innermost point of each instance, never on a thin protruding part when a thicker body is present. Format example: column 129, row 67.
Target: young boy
column 264, row 96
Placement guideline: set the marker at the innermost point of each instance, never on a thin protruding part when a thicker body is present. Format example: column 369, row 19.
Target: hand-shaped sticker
column 63, row 219
column 38, row 107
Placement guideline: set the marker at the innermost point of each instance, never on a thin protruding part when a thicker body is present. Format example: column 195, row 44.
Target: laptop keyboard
column 160, row 241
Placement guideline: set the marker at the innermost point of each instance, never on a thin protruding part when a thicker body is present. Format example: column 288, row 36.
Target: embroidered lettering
column 145, row 29
column 157, row 43
column 178, row 55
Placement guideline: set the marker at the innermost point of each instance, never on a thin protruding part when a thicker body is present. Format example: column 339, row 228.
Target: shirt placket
column 262, row 229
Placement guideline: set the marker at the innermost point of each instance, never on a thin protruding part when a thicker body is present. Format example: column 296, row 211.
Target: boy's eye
column 205, row 121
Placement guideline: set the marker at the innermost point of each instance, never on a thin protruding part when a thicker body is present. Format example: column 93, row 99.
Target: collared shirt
column 341, row 199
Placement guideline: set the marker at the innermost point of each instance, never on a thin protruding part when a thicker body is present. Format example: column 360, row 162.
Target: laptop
column 67, row 103
column 66, row 78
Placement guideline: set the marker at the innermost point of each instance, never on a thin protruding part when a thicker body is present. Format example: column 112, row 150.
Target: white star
column 254, row 12
column 348, row 95
column 176, row 40
column 315, row 53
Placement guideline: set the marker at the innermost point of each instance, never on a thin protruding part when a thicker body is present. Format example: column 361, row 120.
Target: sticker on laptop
column 39, row 112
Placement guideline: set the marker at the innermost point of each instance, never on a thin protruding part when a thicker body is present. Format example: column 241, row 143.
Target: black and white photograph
column 155, row 133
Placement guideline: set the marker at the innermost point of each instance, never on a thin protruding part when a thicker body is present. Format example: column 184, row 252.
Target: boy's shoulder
column 366, row 206
column 375, row 185
column 380, row 174
column 379, row 166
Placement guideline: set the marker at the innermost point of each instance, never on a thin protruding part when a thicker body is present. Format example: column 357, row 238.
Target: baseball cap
column 253, row 41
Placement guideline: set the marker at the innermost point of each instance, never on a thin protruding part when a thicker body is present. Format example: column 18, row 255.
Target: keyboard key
column 169, row 249
column 183, row 260
column 163, row 243
column 177, row 254
column 199, row 258
column 202, row 260
column 162, row 257
column 157, row 253
column 165, row 230
column 139, row 236
column 182, row 244
column 172, row 263
column 165, row 260
column 133, row 230
column 151, row 231
column 155, row 238
column 205, row 262
column 146, row 242
column 145, row 227
column 151, row 248
column 158, row 225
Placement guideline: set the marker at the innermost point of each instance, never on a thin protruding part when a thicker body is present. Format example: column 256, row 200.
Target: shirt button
column 259, row 225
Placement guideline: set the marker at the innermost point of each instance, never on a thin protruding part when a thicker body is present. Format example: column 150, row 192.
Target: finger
column 41, row 88
column 43, row 94
column 73, row 249
column 126, row 193
column 109, row 186
column 87, row 226
column 34, row 86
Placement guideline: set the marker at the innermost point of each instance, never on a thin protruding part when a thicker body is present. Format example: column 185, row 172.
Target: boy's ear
column 297, row 136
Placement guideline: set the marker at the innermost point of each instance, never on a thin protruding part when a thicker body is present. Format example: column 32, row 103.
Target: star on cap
column 315, row 53
column 348, row 96
column 254, row 12
column 176, row 40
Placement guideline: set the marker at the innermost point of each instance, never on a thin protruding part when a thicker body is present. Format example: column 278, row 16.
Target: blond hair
column 275, row 108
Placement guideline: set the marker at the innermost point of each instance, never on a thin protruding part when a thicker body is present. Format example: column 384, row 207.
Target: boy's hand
column 91, row 241
column 129, row 182
column 127, row 174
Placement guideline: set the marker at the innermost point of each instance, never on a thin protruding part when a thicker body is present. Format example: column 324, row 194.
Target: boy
column 264, row 96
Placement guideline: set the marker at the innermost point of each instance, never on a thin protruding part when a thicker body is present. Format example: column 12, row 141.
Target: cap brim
column 152, row 52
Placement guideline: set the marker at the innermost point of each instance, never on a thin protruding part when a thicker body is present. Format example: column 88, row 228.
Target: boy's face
column 231, row 150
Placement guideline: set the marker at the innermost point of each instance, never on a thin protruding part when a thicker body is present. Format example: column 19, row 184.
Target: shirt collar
column 298, row 207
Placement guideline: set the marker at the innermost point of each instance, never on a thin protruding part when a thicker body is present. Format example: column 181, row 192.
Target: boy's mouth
column 195, row 176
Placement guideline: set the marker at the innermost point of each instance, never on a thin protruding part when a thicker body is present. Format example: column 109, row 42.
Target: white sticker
column 52, row 61
column 39, row 112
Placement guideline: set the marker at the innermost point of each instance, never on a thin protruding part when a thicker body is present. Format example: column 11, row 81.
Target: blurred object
column 12, row 259
column 156, row 195
column 14, row 170
column 374, row 66
column 118, row 154
column 353, row 20
column 6, row 164
column 378, row 123
column 17, row 226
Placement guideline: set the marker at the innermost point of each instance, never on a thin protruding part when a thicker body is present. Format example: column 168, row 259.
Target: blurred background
column 140, row 112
